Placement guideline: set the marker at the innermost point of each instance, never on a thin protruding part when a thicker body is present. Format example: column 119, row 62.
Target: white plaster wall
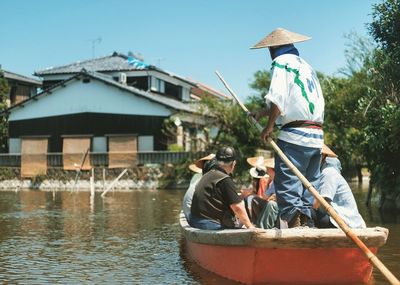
column 96, row 96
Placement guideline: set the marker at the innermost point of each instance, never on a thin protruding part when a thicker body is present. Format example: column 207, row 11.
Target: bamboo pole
column 112, row 184
column 345, row 228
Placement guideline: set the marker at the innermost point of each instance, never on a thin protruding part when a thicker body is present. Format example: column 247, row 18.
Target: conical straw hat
column 326, row 150
column 280, row 37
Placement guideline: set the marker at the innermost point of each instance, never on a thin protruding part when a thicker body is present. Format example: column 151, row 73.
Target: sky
column 189, row 38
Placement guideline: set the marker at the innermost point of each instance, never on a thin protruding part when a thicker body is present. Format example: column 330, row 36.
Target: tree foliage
column 4, row 89
column 362, row 109
column 234, row 129
column 382, row 113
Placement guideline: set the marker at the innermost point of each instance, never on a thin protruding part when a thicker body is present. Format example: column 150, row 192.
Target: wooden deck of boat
column 286, row 238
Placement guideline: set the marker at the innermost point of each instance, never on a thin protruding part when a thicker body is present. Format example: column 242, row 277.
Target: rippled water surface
column 127, row 238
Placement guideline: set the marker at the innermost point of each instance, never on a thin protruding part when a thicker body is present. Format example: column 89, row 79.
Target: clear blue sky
column 187, row 37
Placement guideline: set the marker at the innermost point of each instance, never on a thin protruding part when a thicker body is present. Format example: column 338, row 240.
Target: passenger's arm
column 241, row 213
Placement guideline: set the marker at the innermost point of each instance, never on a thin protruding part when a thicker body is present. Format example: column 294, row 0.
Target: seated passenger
column 216, row 204
column 200, row 167
column 263, row 207
column 335, row 190
column 260, row 182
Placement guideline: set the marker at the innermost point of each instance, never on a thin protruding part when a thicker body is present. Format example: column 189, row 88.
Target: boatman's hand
column 267, row 132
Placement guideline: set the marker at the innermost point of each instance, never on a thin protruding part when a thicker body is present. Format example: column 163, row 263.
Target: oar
column 346, row 229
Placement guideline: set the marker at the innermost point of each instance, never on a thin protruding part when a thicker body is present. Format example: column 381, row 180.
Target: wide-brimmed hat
column 268, row 162
column 194, row 168
column 259, row 170
column 200, row 162
column 280, row 37
column 327, row 151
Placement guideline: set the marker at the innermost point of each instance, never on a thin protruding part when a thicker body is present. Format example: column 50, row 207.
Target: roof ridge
column 115, row 53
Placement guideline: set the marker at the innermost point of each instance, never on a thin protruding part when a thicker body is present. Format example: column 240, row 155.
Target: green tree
column 344, row 95
column 382, row 106
column 4, row 89
column 234, row 129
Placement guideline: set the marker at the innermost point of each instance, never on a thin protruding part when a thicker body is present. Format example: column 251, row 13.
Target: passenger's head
column 226, row 158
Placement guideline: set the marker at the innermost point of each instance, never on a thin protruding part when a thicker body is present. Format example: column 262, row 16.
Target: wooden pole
column 345, row 228
column 92, row 190
column 78, row 173
column 112, row 184
column 104, row 179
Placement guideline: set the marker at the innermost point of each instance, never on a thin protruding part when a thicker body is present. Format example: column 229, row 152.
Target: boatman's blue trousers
column 291, row 194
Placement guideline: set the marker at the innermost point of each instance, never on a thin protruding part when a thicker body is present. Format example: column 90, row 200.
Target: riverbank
column 143, row 177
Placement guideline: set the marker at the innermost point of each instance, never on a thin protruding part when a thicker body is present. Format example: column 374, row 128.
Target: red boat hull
column 255, row 265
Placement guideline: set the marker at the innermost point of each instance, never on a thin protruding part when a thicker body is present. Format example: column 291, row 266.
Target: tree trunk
column 359, row 173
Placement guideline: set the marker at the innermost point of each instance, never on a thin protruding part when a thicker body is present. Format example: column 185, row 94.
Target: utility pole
column 94, row 42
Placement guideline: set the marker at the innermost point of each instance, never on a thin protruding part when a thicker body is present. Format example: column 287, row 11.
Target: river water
column 126, row 238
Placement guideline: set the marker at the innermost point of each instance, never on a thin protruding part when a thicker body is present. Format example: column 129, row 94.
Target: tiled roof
column 170, row 103
column 19, row 77
column 114, row 62
column 119, row 62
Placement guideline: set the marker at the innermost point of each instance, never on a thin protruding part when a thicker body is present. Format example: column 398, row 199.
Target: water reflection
column 128, row 238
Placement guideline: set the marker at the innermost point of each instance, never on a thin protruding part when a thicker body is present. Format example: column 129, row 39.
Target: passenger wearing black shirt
column 216, row 204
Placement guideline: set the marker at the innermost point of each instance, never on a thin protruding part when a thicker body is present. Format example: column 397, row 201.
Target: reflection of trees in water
column 373, row 215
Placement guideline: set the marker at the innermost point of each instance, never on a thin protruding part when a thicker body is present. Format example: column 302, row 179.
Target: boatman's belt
column 303, row 124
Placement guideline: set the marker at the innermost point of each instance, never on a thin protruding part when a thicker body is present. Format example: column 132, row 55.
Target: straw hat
column 200, row 162
column 259, row 170
column 326, row 150
column 280, row 37
column 194, row 168
column 268, row 162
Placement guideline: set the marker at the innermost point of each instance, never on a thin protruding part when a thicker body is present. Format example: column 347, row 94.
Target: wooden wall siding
column 33, row 157
column 122, row 151
column 19, row 93
column 74, row 150
column 94, row 124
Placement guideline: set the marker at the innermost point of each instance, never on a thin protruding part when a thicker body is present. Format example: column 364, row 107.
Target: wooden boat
column 312, row 256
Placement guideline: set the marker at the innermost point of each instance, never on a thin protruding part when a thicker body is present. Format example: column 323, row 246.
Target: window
column 14, row 145
column 146, row 143
column 173, row 90
column 157, row 85
column 140, row 82
column 160, row 85
column 99, row 144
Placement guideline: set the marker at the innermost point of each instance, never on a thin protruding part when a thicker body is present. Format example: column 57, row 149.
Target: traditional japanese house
column 114, row 104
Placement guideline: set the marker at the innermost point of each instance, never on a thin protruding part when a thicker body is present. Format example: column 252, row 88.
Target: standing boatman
column 295, row 104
